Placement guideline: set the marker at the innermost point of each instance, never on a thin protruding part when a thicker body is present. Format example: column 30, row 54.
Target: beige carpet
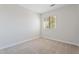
column 42, row 46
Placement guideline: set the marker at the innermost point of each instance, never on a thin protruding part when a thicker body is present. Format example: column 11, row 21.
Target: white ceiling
column 41, row 8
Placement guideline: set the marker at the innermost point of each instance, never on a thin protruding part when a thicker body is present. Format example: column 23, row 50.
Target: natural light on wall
column 50, row 22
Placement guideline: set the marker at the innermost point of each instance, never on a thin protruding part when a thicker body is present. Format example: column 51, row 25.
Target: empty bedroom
column 39, row 28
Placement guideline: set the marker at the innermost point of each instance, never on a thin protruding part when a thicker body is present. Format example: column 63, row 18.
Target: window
column 50, row 22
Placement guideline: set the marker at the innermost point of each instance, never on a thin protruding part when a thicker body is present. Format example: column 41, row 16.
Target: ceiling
column 42, row 8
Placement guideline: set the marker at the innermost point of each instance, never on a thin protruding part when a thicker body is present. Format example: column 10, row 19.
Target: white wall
column 67, row 24
column 17, row 24
column 77, row 31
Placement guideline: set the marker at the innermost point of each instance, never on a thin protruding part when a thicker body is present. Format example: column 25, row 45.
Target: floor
column 42, row 46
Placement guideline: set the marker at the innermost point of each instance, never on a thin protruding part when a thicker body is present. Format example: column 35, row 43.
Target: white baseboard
column 36, row 37
column 20, row 42
column 60, row 40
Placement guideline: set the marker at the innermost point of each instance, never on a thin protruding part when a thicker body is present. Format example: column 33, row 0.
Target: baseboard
column 67, row 42
column 20, row 42
column 36, row 37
